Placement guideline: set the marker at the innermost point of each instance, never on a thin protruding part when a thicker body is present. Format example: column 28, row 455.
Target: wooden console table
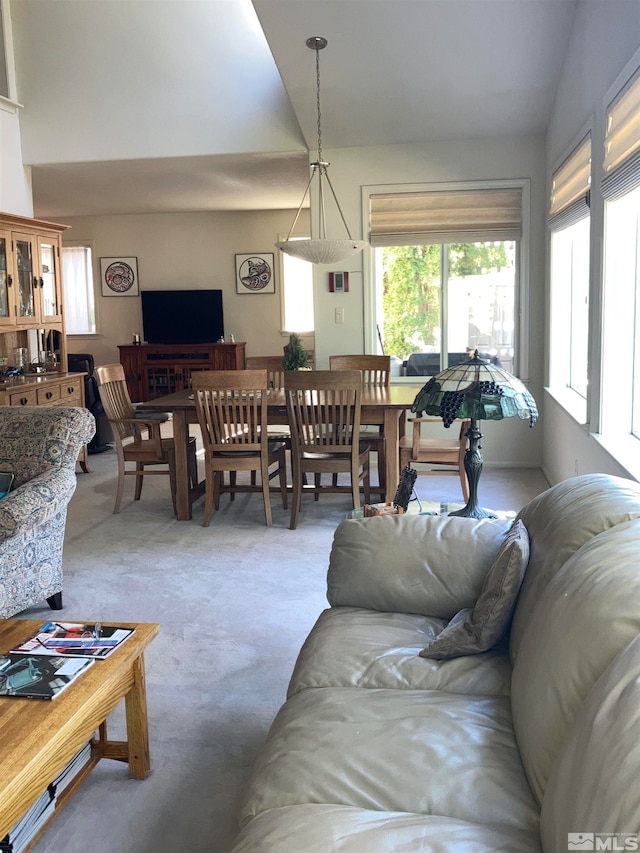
column 153, row 370
column 39, row 738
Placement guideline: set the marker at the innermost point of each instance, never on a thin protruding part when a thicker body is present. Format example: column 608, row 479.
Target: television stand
column 154, row 370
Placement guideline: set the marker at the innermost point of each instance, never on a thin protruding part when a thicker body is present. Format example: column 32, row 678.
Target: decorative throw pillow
column 473, row 631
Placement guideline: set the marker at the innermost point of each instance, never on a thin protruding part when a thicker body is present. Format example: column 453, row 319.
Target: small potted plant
column 295, row 356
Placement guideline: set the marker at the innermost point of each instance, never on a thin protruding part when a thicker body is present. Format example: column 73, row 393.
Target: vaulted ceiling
column 134, row 106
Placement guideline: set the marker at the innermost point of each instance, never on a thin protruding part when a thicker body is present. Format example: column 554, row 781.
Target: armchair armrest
column 433, row 566
column 36, row 501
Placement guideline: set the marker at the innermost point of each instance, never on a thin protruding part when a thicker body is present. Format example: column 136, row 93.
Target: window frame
column 521, row 301
column 84, row 244
column 283, row 291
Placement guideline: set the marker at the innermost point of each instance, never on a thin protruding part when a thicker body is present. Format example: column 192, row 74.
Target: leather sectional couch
column 532, row 745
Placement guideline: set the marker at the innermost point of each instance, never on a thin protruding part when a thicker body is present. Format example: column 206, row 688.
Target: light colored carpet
column 234, row 602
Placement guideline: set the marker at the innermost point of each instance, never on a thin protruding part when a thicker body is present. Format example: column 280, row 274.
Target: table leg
column 137, row 723
column 391, row 451
column 180, row 438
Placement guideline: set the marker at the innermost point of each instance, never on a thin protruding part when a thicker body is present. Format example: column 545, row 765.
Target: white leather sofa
column 533, row 745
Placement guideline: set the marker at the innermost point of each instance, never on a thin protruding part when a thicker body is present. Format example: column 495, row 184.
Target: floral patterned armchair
column 40, row 446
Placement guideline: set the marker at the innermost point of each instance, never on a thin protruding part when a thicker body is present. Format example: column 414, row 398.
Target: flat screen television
column 182, row 316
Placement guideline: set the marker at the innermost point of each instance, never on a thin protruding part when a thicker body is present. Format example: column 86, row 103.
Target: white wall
column 111, row 107
column 189, row 251
column 506, row 443
column 15, row 179
column 604, row 37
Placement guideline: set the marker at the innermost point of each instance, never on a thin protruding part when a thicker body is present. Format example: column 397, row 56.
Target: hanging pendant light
column 322, row 250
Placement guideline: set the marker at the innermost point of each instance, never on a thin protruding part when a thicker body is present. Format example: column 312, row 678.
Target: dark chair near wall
column 428, row 363
column 82, row 362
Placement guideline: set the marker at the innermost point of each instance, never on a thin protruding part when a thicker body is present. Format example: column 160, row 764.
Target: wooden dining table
column 380, row 406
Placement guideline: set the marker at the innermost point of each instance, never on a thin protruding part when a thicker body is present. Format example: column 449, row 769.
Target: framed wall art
column 255, row 273
column 119, row 276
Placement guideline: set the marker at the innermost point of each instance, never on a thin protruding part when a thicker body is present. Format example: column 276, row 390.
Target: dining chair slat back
column 376, row 369
column 272, row 364
column 376, row 373
column 129, row 430
column 232, row 412
column 324, row 416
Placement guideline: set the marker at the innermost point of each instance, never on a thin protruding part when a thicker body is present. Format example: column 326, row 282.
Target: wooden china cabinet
column 32, row 317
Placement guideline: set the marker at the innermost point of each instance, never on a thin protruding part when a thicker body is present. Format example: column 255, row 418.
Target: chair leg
column 171, row 461
column 139, row 478
column 119, row 488
column 208, row 496
column 232, row 484
column 382, row 469
column 366, row 481
column 317, row 479
column 193, row 465
column 296, row 497
column 217, row 482
column 282, row 470
column 355, row 485
column 266, row 497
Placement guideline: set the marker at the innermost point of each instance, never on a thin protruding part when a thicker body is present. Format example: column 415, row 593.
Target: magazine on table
column 74, row 639
column 39, row 676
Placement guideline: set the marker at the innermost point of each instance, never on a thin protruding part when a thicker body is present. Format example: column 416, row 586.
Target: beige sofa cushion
column 353, row 647
column 471, row 632
column 419, row 751
column 434, row 566
column 559, row 522
column 594, row 783
column 323, row 828
column 587, row 613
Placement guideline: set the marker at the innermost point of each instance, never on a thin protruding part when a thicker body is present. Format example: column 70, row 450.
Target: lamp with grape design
column 477, row 390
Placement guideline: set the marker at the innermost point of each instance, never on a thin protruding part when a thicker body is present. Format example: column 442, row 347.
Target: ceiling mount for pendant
column 322, row 250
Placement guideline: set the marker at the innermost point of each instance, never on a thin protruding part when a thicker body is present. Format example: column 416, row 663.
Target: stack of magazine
column 34, row 819
column 45, row 664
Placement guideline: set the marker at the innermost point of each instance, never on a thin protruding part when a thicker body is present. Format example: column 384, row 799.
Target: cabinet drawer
column 70, row 393
column 23, row 398
column 49, row 395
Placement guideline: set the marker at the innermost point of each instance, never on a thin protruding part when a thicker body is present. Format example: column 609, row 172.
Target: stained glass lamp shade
column 477, row 390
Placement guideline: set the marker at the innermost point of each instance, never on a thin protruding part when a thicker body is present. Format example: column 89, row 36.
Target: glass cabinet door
column 25, row 269
column 6, row 281
column 49, row 280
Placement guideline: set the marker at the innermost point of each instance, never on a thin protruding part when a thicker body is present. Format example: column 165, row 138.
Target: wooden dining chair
column 446, row 455
column 275, row 378
column 272, row 364
column 129, row 431
column 232, row 413
column 323, row 408
column 376, row 373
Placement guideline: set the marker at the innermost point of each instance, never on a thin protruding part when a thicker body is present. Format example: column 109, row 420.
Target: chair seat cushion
column 393, row 750
column 353, row 647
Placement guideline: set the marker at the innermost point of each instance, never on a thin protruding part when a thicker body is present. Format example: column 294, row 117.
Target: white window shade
column 447, row 216
column 622, row 142
column 570, row 187
column 622, row 138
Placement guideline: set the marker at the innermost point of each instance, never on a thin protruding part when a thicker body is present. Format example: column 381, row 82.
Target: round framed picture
column 119, row 276
column 255, row 273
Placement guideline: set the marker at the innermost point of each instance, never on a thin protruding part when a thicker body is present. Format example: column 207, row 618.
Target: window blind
column 447, row 216
column 570, row 188
column 622, row 142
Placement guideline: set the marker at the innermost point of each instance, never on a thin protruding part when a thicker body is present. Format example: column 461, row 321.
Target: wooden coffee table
column 38, row 738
